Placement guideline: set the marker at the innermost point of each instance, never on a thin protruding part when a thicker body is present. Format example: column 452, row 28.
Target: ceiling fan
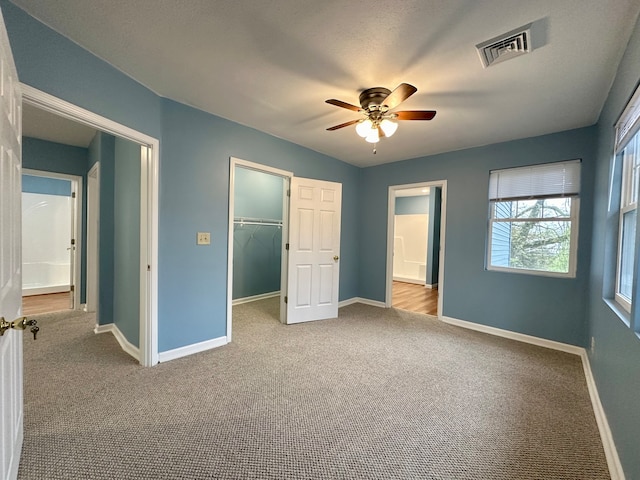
column 376, row 104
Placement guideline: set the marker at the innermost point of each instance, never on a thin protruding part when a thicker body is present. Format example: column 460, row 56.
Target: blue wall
column 196, row 148
column 102, row 149
column 126, row 240
column 257, row 249
column 46, row 185
column 258, row 194
column 54, row 157
column 433, row 240
column 194, row 171
column 532, row 305
column 56, row 65
column 615, row 360
column 412, row 205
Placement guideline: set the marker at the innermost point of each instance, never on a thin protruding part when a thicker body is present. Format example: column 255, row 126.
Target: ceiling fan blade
column 342, row 125
column 340, row 103
column 399, row 95
column 415, row 114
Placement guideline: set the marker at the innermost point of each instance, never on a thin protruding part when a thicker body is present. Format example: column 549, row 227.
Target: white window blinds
column 628, row 124
column 535, row 181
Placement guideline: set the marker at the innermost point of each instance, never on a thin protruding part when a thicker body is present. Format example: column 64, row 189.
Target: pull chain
column 375, row 148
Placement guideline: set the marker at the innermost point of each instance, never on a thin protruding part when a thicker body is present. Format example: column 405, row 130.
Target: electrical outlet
column 204, row 238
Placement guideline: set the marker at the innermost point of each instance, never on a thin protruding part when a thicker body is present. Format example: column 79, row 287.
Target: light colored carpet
column 375, row 394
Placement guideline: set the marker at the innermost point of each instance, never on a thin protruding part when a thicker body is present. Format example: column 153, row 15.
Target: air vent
column 512, row 44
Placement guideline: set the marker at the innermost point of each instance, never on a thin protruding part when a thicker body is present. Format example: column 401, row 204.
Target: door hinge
column 288, row 193
column 72, row 288
column 73, row 241
column 73, row 194
column 286, row 299
column 286, row 247
column 148, row 268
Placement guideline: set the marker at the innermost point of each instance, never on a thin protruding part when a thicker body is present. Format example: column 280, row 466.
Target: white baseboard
column 613, row 460
column 27, row 292
column 255, row 298
column 610, row 451
column 365, row 301
column 122, row 340
column 521, row 337
column 431, row 285
column 191, row 349
column 417, row 281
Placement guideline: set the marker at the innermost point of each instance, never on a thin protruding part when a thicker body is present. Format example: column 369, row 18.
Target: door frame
column 390, row 240
column 93, row 244
column 76, row 186
column 149, row 208
column 286, row 175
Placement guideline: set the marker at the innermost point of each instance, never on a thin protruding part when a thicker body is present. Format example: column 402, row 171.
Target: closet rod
column 238, row 222
column 257, row 221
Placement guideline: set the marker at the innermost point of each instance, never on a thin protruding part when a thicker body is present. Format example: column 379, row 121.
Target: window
column 533, row 224
column 628, row 151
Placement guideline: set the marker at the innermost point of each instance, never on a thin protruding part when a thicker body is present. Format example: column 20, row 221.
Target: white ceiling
column 271, row 64
column 37, row 123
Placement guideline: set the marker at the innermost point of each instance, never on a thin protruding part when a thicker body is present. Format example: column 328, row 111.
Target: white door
column 11, row 404
column 314, row 250
column 72, row 247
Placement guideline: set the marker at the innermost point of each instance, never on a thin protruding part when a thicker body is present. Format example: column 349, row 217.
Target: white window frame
column 628, row 204
column 573, row 219
column 627, row 128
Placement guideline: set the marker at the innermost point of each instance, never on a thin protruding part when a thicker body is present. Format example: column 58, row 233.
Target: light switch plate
column 204, row 238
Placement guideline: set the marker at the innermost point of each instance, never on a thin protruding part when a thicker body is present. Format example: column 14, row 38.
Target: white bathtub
column 45, row 277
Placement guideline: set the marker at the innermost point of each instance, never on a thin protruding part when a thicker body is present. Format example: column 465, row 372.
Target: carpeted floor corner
column 374, row 394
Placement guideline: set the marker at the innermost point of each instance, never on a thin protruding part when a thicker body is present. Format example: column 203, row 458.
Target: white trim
column 409, row 280
column 93, row 244
column 28, row 292
column 610, row 451
column 388, row 303
column 191, row 349
column 365, row 301
column 125, row 344
column 148, row 321
column 520, row 337
column 431, row 286
column 255, row 298
column 611, row 454
column 76, row 187
column 237, row 162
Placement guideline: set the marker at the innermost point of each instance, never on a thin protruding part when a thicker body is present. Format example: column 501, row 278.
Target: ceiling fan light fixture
column 388, row 127
column 373, row 136
column 364, row 128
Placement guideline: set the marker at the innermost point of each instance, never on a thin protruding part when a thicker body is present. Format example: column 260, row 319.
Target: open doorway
column 258, row 217
column 415, row 247
column 51, row 241
column 120, row 222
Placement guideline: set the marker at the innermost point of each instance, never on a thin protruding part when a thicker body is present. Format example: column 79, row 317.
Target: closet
column 257, row 235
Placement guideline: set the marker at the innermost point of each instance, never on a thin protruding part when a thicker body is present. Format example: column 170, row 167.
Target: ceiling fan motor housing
column 373, row 96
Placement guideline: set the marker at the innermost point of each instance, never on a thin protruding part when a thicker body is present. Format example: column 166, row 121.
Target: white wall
column 46, row 227
column 410, row 248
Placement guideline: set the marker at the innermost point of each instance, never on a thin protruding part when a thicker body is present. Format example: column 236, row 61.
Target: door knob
column 336, row 258
column 19, row 324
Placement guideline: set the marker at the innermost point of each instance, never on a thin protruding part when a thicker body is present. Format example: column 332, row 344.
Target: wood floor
column 52, row 302
column 415, row 298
